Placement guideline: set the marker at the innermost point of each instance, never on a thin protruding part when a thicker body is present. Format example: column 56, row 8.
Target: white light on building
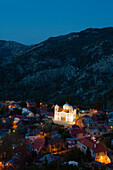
column 65, row 114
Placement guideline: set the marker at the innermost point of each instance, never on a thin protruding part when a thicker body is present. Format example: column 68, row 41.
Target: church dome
column 66, row 106
column 71, row 108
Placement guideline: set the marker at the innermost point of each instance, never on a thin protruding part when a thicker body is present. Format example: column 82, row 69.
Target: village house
column 38, row 144
column 91, row 126
column 91, row 123
column 101, row 123
column 71, row 142
column 33, row 134
column 97, row 149
column 49, row 158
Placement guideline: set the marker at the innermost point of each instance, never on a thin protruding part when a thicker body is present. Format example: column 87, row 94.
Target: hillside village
column 47, row 135
column 56, row 85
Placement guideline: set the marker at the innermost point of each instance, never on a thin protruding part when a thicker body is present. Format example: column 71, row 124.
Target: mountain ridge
column 75, row 67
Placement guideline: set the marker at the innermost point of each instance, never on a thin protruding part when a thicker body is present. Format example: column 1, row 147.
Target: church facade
column 66, row 114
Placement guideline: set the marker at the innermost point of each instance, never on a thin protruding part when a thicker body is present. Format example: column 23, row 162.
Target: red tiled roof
column 75, row 132
column 26, row 141
column 89, row 143
column 19, row 116
column 38, row 143
column 51, row 114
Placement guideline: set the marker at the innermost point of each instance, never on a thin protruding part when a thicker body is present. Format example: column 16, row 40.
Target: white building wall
column 67, row 117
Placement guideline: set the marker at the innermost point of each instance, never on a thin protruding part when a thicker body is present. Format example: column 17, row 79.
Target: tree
column 46, row 141
column 23, row 104
column 88, row 155
column 46, row 162
column 42, row 151
column 16, row 111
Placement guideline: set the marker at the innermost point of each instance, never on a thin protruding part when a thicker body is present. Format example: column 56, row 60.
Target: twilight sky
column 32, row 21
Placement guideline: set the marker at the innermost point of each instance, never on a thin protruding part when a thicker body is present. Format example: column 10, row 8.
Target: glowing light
column 1, row 165
column 94, row 110
column 14, row 127
column 10, row 106
column 104, row 159
column 3, row 121
column 9, row 130
column 27, row 104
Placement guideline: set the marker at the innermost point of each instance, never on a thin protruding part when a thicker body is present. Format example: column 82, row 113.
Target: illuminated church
column 66, row 114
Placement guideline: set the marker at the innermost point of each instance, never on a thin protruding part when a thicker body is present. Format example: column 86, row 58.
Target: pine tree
column 88, row 155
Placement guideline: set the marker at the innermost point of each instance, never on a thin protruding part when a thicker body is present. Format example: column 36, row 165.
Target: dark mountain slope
column 77, row 67
column 9, row 49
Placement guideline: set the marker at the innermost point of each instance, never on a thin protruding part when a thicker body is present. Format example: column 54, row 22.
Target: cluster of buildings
column 74, row 129
column 90, row 125
column 97, row 149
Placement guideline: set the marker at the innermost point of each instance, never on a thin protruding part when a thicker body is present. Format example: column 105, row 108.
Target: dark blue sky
column 32, row 21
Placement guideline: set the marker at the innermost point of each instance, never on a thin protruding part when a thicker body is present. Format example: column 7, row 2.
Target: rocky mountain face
column 9, row 49
column 77, row 68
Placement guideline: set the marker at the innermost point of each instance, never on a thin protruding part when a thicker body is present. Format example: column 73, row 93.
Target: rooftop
column 38, row 143
column 75, row 132
column 96, row 147
column 50, row 158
